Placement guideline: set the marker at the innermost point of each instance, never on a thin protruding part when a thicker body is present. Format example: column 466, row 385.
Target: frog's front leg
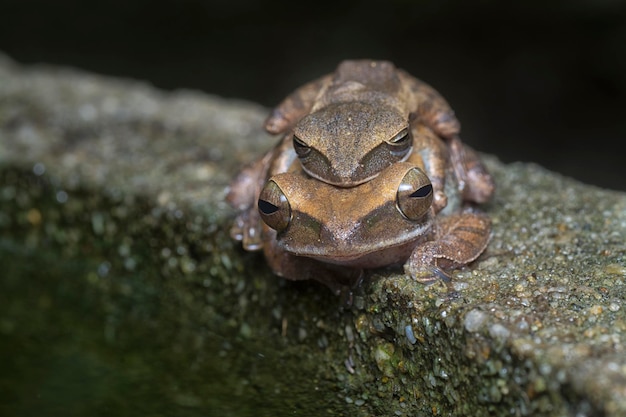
column 242, row 195
column 434, row 154
column 244, row 191
column 458, row 239
column 430, row 107
column 475, row 183
column 295, row 106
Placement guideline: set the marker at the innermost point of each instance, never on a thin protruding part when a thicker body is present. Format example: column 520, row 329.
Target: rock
column 115, row 246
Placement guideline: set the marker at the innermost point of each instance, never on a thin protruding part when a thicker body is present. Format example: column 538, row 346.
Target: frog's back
column 376, row 75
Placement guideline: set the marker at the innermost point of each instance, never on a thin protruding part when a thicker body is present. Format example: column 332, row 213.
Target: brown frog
column 369, row 159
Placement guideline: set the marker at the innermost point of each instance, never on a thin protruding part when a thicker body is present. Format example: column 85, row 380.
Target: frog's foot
column 440, row 200
column 346, row 291
column 436, row 275
column 427, row 275
column 339, row 279
column 342, row 283
column 243, row 193
column 247, row 229
column 458, row 240
column 431, row 275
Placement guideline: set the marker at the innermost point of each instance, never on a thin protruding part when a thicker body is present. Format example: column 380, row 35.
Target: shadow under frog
column 369, row 160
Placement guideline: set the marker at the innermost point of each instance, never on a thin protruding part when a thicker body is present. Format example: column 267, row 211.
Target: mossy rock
column 119, row 273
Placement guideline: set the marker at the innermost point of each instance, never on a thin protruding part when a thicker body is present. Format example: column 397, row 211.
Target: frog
column 349, row 125
column 362, row 178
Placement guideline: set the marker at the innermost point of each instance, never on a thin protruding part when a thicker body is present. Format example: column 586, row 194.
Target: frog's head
column 348, row 143
column 346, row 225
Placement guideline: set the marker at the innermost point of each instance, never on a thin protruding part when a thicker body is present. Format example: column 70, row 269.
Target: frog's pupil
column 266, row 207
column 422, row 191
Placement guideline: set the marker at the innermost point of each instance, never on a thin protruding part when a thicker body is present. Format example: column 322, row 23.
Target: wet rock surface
column 133, row 179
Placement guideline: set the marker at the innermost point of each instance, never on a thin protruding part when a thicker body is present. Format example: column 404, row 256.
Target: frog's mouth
column 375, row 220
column 362, row 246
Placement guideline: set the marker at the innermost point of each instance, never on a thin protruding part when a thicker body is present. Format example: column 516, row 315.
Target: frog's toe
column 236, row 231
column 427, row 275
column 247, row 229
column 440, row 201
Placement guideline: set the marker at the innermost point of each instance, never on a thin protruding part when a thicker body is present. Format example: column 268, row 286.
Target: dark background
column 541, row 81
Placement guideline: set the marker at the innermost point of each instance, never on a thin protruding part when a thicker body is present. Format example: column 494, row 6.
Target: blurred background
column 541, row 81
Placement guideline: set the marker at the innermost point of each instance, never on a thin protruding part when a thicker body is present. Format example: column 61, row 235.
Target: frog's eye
column 415, row 194
column 274, row 207
column 400, row 143
column 301, row 148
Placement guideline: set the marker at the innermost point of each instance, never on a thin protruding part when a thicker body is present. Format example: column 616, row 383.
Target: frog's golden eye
column 301, row 148
column 401, row 143
column 274, row 207
column 415, row 194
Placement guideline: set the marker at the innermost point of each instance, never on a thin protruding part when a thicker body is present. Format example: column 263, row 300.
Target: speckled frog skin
column 370, row 172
